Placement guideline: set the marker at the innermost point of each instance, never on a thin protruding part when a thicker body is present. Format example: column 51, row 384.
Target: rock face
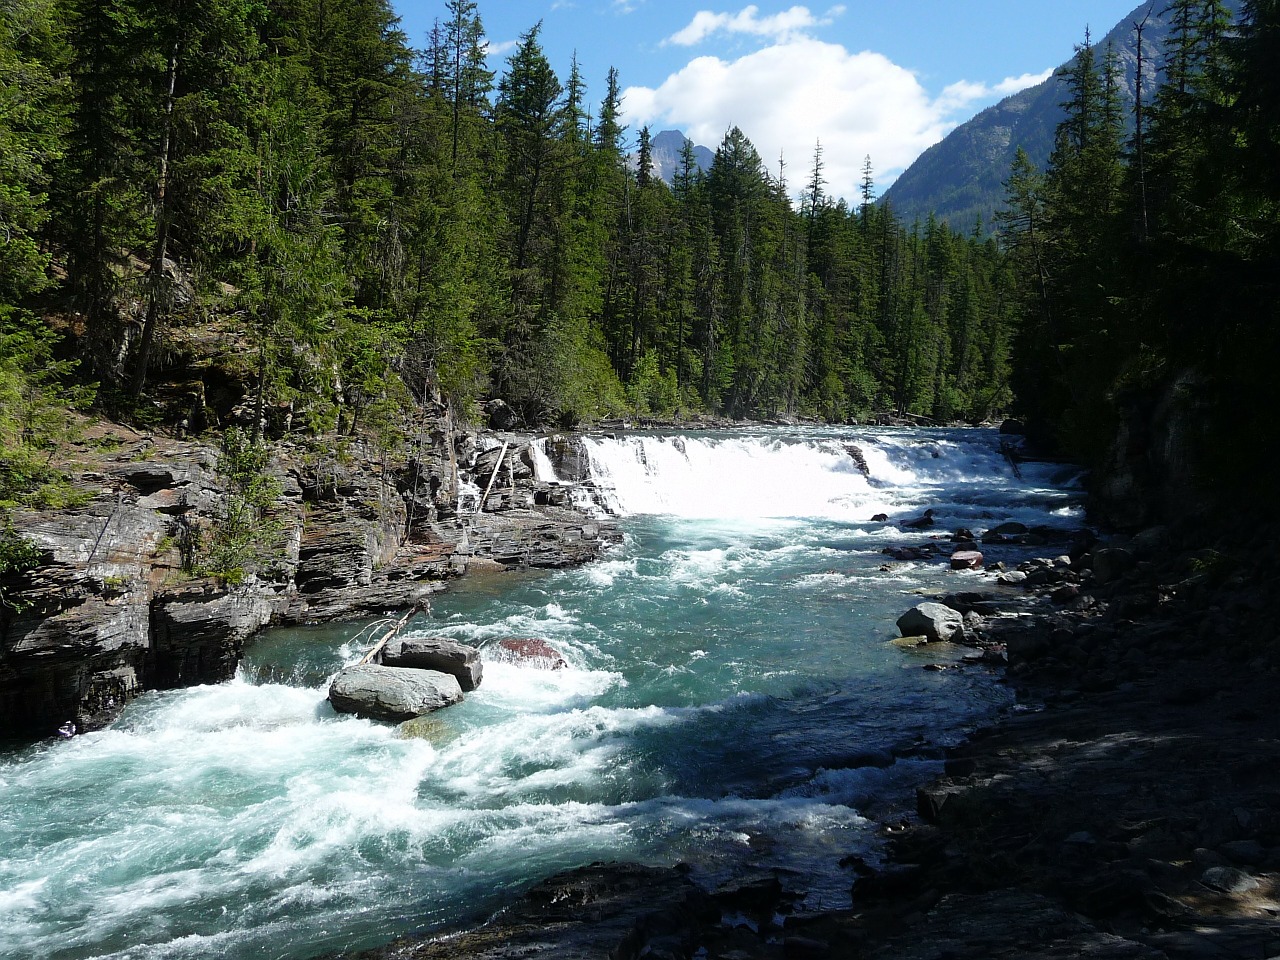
column 113, row 608
column 437, row 653
column 392, row 693
column 932, row 620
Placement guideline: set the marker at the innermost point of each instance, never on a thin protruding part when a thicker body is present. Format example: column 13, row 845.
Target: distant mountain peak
column 665, row 149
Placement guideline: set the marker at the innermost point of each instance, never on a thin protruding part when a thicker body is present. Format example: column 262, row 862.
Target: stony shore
column 1127, row 807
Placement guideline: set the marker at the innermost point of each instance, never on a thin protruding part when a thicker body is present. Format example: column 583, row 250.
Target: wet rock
column 429, row 728
column 460, row 661
column 922, row 522
column 531, row 652
column 880, row 518
column 932, row 620
column 908, row 554
column 966, row 560
column 1009, row 529
column 859, row 458
column 569, row 457
column 392, row 693
column 1012, row 578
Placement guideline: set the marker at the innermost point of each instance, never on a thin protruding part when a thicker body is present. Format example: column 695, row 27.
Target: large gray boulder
column 932, row 620
column 392, row 693
column 437, row 653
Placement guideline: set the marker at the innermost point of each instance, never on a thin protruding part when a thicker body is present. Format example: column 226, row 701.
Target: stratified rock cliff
column 110, row 612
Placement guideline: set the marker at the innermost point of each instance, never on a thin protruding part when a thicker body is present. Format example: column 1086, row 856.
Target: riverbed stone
column 932, row 620
column 392, row 693
column 459, row 660
column 966, row 560
column 531, row 652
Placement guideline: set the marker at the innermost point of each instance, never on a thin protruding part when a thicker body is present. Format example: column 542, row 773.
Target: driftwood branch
column 396, row 628
column 502, row 455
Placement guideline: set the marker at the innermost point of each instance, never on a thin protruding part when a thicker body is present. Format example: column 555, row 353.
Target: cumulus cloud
column 801, row 90
column 787, row 25
column 500, row 48
column 1011, row 85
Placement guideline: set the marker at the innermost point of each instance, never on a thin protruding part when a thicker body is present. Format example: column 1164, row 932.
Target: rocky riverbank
column 1128, row 807
column 117, row 605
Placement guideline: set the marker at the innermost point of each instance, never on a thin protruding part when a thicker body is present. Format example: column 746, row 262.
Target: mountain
column 960, row 179
column 665, row 149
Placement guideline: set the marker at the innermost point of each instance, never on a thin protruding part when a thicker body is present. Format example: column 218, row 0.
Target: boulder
column 932, row 620
column 1003, row 530
column 880, row 518
column 532, row 652
column 392, row 693
column 499, row 415
column 437, row 653
column 908, row 554
column 1110, row 563
column 966, row 560
column 922, row 522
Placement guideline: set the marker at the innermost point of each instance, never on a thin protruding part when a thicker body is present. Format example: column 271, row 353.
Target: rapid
column 731, row 700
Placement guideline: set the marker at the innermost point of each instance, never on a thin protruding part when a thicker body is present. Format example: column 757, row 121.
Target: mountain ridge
column 960, row 179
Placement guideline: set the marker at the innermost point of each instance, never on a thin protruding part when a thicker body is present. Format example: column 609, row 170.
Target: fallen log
column 396, row 628
column 502, row 455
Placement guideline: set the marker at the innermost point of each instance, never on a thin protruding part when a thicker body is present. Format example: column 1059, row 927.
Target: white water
column 728, row 668
column 957, row 473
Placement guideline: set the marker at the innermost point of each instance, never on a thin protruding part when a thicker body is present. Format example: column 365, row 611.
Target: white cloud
column 790, row 95
column 500, row 48
column 801, row 90
column 961, row 94
column 1011, row 85
column 787, row 25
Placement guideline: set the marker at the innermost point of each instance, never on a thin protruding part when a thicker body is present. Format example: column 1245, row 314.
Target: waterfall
column 742, row 476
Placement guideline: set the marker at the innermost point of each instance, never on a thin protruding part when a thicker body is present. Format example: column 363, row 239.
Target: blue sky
column 874, row 77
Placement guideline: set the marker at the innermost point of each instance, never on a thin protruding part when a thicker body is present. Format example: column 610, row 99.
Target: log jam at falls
column 731, row 701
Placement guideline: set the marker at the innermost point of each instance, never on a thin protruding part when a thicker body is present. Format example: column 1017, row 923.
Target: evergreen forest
column 353, row 225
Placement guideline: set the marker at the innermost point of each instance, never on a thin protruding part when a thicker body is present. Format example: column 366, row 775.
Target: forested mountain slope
column 960, row 179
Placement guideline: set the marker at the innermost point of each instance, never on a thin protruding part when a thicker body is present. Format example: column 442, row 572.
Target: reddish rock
column 966, row 560
column 531, row 651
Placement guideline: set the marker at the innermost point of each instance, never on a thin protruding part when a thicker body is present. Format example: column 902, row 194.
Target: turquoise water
column 731, row 700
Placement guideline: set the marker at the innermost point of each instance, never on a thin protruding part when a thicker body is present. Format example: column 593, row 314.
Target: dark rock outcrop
column 460, row 661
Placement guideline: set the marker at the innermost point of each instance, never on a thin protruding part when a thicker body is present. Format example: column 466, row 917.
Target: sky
column 879, row 78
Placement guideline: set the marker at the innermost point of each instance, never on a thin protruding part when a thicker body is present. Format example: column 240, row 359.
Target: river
column 731, row 701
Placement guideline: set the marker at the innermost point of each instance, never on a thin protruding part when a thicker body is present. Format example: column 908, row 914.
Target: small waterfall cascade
column 743, row 476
